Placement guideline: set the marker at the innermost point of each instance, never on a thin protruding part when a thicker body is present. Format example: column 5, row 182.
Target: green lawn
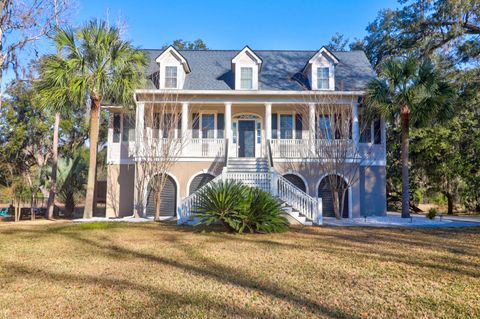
column 118, row 270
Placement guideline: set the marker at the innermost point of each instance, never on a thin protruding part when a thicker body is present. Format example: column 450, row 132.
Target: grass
column 119, row 270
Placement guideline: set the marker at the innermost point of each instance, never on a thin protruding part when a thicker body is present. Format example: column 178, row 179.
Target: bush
column 240, row 208
column 432, row 213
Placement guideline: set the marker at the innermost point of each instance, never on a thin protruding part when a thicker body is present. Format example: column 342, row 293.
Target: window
column 274, row 126
column 323, row 78
column 259, row 132
column 171, row 77
column 195, row 125
column 234, row 132
column 377, row 132
column 220, row 125
column 208, row 125
column 298, row 126
column 167, row 125
column 365, row 130
column 246, row 78
column 128, row 133
column 117, row 122
column 286, row 126
column 325, row 127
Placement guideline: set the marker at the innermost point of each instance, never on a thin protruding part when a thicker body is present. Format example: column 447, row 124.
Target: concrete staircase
column 261, row 165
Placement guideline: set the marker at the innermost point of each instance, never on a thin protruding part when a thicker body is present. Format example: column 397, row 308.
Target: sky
column 261, row 24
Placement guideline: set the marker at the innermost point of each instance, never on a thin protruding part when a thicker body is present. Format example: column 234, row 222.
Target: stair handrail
column 269, row 150
column 185, row 211
column 298, row 199
column 225, row 164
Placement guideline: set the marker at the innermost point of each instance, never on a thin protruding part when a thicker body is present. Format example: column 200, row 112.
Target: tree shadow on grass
column 219, row 273
column 167, row 298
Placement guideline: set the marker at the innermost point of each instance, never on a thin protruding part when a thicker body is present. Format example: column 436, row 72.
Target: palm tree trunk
column 53, row 186
column 404, row 117
column 92, row 167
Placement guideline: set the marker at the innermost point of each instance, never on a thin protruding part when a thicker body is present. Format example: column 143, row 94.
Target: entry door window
column 286, row 126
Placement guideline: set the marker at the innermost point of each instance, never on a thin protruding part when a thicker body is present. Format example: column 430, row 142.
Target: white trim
column 321, row 51
column 250, row 92
column 174, row 51
column 307, row 190
column 203, row 171
column 246, row 49
column 258, row 146
column 145, row 193
column 350, row 196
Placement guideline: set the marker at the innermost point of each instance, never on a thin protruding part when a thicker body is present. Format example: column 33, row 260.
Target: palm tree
column 100, row 67
column 411, row 92
column 53, row 94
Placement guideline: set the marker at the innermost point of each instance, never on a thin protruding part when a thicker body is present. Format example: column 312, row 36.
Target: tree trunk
column 158, row 196
column 450, row 204
column 336, row 204
column 404, row 117
column 53, row 186
column 32, row 210
column 69, row 205
column 92, row 167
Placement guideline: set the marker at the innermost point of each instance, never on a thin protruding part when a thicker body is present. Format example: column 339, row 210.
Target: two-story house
column 255, row 116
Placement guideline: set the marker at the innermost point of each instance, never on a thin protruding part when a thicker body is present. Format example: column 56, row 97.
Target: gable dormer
column 320, row 70
column 173, row 69
column 246, row 68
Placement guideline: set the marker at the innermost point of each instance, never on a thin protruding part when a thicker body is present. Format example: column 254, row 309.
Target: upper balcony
column 205, row 133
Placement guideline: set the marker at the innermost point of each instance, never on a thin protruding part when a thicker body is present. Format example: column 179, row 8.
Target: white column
column 185, row 120
column 228, row 121
column 311, row 126
column 139, row 142
column 139, row 124
column 268, row 121
column 355, row 125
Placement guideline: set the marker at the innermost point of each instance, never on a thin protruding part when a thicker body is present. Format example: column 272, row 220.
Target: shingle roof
column 281, row 70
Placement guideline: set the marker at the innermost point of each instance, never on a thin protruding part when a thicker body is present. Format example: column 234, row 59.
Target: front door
column 246, row 138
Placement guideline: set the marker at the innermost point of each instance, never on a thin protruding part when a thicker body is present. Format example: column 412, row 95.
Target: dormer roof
column 246, row 50
column 323, row 51
column 171, row 50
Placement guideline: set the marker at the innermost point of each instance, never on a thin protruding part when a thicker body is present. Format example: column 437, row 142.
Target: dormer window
column 173, row 69
column 246, row 78
column 246, row 67
column 323, row 78
column 320, row 70
column 170, row 77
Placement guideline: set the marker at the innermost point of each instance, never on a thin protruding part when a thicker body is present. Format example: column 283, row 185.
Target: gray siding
column 373, row 198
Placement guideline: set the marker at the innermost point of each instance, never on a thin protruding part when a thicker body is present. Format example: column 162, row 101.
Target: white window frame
column 200, row 125
column 294, row 126
column 242, row 79
column 321, row 78
column 166, row 78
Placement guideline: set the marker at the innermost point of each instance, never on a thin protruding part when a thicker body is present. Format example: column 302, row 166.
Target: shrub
column 262, row 213
column 240, row 208
column 432, row 213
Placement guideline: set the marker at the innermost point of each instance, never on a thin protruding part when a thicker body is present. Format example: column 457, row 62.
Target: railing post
column 319, row 212
column 274, row 182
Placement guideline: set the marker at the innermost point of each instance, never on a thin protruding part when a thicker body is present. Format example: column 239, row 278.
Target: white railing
column 270, row 182
column 260, row 180
column 290, row 148
column 204, row 147
column 307, row 205
column 188, row 205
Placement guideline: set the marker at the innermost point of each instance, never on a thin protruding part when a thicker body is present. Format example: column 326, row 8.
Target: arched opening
column 297, row 181
column 199, row 181
column 325, row 192
column 168, row 198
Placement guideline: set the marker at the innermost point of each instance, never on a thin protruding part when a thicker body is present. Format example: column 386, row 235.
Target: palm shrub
column 240, row 208
column 262, row 213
